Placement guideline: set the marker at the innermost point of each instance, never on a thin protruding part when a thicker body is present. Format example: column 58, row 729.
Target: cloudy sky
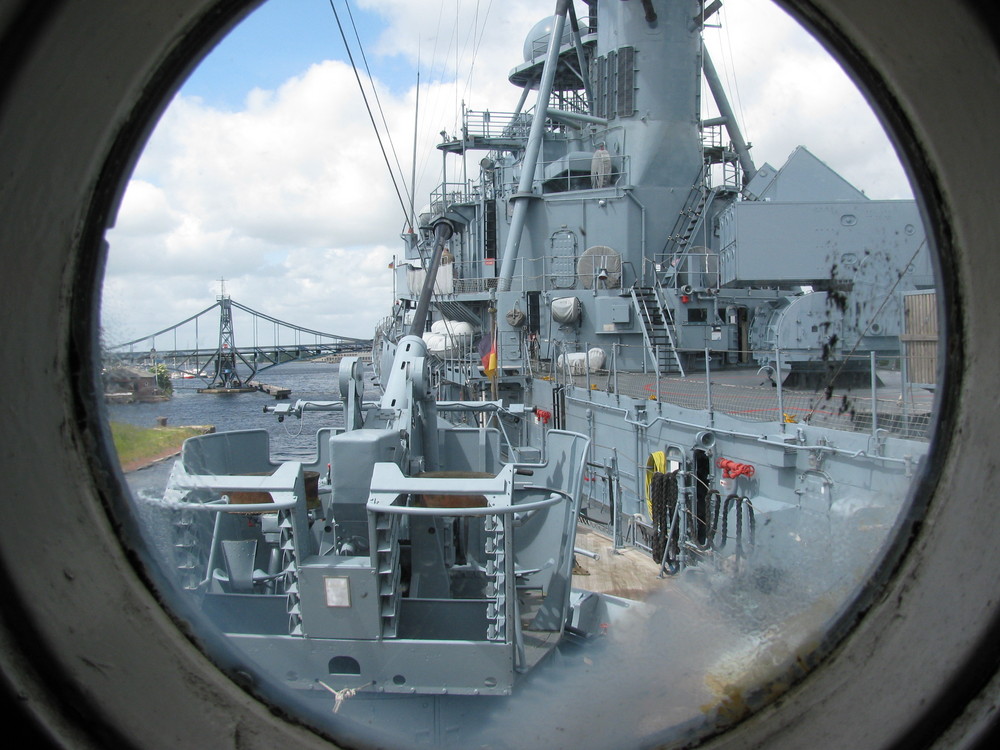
column 265, row 171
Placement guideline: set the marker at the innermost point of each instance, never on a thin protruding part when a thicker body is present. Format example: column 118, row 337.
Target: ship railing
column 557, row 124
column 721, row 160
column 475, row 277
column 871, row 392
column 449, row 194
column 487, row 124
column 508, row 126
column 478, row 278
column 725, row 176
column 572, row 175
column 696, row 269
column 712, row 135
column 454, row 360
column 562, row 273
column 538, row 46
column 552, row 273
column 571, row 101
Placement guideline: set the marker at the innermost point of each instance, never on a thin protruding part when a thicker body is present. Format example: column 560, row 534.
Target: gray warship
column 621, row 322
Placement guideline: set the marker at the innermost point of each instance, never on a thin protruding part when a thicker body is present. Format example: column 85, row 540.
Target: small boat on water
column 613, row 325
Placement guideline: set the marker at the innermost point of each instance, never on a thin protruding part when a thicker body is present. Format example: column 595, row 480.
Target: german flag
column 488, row 353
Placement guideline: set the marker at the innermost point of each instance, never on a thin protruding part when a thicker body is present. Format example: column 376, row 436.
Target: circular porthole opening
column 812, row 488
column 766, row 530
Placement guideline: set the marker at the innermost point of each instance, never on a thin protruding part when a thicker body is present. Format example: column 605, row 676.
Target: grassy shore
column 141, row 446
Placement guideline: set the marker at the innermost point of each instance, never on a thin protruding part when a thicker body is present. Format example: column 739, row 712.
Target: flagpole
column 496, row 350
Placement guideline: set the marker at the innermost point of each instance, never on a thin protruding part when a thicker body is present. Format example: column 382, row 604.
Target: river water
column 294, row 439
column 291, row 440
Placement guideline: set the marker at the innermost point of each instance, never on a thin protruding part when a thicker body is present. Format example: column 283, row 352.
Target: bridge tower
column 227, row 356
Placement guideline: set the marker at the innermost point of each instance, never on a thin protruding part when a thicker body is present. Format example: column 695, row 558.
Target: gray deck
column 629, row 573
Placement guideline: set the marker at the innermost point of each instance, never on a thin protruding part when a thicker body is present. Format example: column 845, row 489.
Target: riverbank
column 139, row 447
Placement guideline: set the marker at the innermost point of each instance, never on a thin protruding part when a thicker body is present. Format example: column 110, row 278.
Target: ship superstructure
column 615, row 219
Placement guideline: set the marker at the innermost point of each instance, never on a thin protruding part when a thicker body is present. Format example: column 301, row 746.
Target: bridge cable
column 286, row 324
column 168, row 329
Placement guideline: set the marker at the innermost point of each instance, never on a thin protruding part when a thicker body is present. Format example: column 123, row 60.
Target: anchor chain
column 712, row 507
column 741, row 504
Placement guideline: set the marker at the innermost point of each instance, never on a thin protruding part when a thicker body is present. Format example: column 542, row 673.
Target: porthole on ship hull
column 65, row 604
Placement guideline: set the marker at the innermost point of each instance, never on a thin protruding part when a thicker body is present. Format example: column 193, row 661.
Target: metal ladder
column 656, row 330
column 689, row 222
column 496, row 573
column 289, row 568
column 185, row 544
column 387, row 571
column 386, row 508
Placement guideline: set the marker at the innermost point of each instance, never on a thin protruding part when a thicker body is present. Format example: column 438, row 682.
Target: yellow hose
column 655, row 464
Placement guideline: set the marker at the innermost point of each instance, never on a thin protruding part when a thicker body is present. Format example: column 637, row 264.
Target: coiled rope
column 663, row 499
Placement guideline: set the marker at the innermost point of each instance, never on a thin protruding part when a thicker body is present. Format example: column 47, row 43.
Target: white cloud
column 146, row 211
column 789, row 92
column 288, row 197
column 266, row 197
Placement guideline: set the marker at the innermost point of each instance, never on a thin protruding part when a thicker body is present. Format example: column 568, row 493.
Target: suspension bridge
column 226, row 364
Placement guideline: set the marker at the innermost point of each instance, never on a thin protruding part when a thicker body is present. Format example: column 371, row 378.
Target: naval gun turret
column 429, row 557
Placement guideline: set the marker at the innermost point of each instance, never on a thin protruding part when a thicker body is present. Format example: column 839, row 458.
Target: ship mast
column 533, row 148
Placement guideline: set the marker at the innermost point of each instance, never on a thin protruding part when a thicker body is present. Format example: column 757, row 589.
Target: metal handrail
column 406, row 510
column 642, row 310
column 667, row 322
